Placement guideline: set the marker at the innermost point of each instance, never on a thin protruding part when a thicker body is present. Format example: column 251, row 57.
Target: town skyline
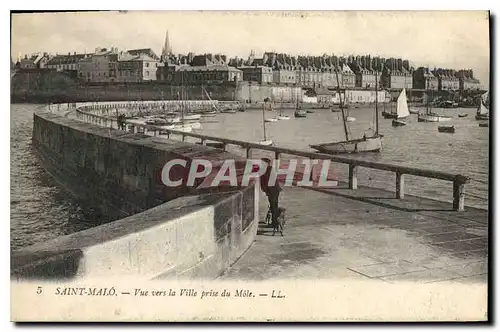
column 424, row 38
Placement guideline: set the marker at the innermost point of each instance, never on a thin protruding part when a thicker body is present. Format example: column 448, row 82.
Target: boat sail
column 365, row 144
column 483, row 113
column 402, row 110
column 430, row 116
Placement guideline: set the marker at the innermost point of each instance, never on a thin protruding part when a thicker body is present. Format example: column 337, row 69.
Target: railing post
column 400, row 185
column 224, row 145
column 459, row 192
column 183, row 137
column 277, row 155
column 353, row 177
column 203, row 142
column 249, row 152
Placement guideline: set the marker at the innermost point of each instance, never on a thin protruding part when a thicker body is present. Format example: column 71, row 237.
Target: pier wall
column 190, row 237
column 162, row 231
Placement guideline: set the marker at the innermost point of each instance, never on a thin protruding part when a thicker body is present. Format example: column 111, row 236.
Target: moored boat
column 265, row 142
column 300, row 114
column 398, row 123
column 486, row 124
column 350, row 119
column 446, row 129
column 483, row 113
column 402, row 111
column 413, row 110
column 271, row 120
column 463, row 115
column 433, row 117
column 365, row 144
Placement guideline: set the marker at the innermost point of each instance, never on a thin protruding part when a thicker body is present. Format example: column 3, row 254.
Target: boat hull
column 283, row 117
column 398, row 123
column 483, row 125
column 482, row 117
column 414, row 111
column 450, row 130
column 271, row 120
column 369, row 144
column 387, row 115
column 266, row 142
column 433, row 118
column 463, row 115
column 300, row 115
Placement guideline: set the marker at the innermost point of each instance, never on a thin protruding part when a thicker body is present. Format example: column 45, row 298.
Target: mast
column 182, row 101
column 264, row 120
column 342, row 107
column 376, row 104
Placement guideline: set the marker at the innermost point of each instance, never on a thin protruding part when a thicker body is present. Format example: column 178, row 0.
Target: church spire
column 167, row 49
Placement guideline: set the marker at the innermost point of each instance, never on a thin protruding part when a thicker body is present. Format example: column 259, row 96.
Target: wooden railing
column 459, row 181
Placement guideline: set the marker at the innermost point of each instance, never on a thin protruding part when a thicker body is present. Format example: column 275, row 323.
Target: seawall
column 163, row 232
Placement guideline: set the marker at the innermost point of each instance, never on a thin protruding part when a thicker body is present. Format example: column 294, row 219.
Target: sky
column 448, row 39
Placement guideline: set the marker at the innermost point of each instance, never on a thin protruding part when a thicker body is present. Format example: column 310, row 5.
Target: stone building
column 69, row 62
column 447, row 81
column 199, row 75
column 260, row 74
column 397, row 74
column 137, row 68
column 424, row 79
column 99, row 67
column 467, row 81
column 34, row 61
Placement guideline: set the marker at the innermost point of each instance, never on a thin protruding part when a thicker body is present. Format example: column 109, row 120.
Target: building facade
column 196, row 75
column 68, row 62
column 99, row 67
column 447, row 81
column 424, row 79
column 284, row 76
column 261, row 74
column 467, row 81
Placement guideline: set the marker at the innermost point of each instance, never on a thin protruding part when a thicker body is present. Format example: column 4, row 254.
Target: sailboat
column 275, row 119
column 365, row 144
column 212, row 112
column 430, row 116
column 483, row 113
column 299, row 113
column 281, row 116
column 265, row 141
column 402, row 110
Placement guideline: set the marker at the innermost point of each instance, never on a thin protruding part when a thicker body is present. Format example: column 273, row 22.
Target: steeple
column 167, row 49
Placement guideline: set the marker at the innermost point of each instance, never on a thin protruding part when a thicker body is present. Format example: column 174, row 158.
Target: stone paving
column 367, row 233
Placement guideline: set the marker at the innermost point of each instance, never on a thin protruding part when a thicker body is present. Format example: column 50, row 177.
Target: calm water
column 417, row 144
column 41, row 210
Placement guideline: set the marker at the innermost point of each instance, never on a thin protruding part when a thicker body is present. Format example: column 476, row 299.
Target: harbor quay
column 349, row 231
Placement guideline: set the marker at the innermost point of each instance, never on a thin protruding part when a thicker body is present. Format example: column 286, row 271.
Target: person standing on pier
column 272, row 190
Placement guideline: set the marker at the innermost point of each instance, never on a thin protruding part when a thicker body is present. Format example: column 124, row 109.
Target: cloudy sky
column 453, row 39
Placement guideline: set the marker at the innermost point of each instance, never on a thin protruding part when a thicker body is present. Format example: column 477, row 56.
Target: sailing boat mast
column 342, row 107
column 376, row 103
column 264, row 120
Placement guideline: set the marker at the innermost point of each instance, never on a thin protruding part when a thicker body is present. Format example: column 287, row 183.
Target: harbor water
column 41, row 209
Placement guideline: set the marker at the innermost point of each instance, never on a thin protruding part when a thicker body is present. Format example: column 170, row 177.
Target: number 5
column 39, row 290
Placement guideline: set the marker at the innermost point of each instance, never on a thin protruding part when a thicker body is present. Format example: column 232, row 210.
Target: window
column 147, row 64
column 147, row 72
